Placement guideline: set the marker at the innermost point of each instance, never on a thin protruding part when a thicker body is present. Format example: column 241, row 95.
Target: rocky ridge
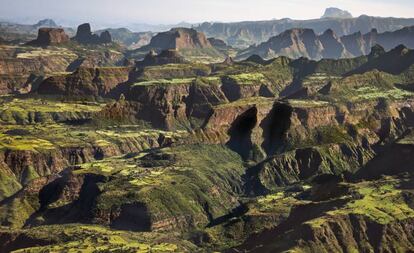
column 298, row 43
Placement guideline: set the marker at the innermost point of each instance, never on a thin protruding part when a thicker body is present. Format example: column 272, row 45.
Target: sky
column 193, row 11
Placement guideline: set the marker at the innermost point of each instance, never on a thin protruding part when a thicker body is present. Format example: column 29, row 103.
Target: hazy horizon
column 101, row 12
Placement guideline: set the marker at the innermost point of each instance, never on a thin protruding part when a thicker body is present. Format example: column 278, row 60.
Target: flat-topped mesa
column 336, row 13
column 84, row 35
column 165, row 57
column 179, row 38
column 50, row 36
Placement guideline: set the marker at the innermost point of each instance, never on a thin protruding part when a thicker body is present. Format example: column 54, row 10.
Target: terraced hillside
column 168, row 155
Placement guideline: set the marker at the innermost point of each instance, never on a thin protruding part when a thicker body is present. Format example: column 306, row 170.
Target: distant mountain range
column 296, row 43
column 244, row 34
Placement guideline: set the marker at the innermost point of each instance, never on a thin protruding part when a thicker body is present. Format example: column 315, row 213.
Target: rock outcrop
column 84, row 35
column 50, row 36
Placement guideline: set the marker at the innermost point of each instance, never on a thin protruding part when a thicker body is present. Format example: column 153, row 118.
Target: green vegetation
column 368, row 86
column 91, row 238
column 248, row 78
column 40, row 52
column 202, row 55
column 32, row 110
column 262, row 101
column 24, row 143
column 307, row 103
column 380, row 201
column 174, row 71
column 172, row 182
column 165, row 82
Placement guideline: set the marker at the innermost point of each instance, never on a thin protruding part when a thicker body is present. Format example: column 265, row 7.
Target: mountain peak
column 46, row 23
column 336, row 13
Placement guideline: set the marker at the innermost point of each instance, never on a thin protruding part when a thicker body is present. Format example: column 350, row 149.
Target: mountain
column 296, row 43
column 188, row 42
column 336, row 13
column 124, row 36
column 245, row 34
